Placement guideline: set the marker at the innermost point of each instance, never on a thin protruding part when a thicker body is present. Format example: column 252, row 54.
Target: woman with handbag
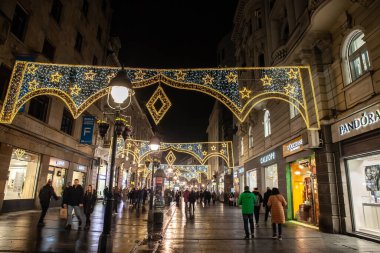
column 89, row 201
column 276, row 203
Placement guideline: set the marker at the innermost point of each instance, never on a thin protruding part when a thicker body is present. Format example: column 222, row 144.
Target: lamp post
column 120, row 89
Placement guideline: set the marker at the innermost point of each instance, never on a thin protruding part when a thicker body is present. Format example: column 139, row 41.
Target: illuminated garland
column 201, row 151
column 239, row 89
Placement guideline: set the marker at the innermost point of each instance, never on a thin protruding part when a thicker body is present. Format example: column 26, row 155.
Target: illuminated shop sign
column 366, row 119
column 361, row 122
column 293, row 147
column 268, row 158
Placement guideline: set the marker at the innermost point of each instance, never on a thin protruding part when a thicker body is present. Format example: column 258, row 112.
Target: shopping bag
column 63, row 213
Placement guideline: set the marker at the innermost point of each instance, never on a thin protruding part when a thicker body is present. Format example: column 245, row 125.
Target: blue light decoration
column 239, row 89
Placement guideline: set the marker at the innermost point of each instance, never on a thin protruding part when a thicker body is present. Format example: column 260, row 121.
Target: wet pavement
column 216, row 228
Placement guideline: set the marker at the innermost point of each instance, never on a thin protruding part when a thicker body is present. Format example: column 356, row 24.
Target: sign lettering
column 267, row 158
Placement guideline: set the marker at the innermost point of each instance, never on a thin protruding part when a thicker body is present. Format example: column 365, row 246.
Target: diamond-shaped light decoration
column 170, row 158
column 158, row 105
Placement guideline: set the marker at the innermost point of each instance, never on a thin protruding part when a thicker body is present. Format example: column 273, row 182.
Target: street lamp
column 120, row 89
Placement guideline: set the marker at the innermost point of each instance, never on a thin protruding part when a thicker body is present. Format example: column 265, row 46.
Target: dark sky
column 174, row 34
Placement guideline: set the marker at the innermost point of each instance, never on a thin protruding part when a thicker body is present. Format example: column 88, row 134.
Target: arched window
column 293, row 111
column 242, row 146
column 355, row 56
column 250, row 137
column 267, row 128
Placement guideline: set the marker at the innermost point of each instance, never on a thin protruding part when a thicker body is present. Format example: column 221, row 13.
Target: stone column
column 5, row 159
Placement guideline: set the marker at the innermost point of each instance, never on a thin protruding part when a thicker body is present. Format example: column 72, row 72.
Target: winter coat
column 192, row 197
column 259, row 198
column 247, row 200
column 267, row 194
column 89, row 201
column 277, row 204
column 74, row 196
column 186, row 195
column 45, row 194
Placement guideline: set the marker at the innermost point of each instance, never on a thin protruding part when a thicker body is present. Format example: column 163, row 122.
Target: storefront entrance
column 252, row 179
column 58, row 178
column 305, row 190
column 364, row 177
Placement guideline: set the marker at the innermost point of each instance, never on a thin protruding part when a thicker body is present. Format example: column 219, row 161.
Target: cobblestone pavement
column 216, row 228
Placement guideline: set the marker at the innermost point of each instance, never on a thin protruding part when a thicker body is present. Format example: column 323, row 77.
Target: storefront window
column 305, row 190
column 102, row 175
column 271, row 176
column 364, row 177
column 22, row 175
column 58, row 178
column 81, row 176
column 252, row 179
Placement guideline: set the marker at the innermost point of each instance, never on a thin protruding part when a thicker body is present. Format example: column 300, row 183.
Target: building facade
column 43, row 142
column 330, row 177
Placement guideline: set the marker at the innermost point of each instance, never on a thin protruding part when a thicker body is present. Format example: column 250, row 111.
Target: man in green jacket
column 247, row 200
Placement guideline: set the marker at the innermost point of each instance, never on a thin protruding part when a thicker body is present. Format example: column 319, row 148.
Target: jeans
column 267, row 210
column 77, row 211
column 246, row 218
column 279, row 229
column 257, row 213
column 44, row 208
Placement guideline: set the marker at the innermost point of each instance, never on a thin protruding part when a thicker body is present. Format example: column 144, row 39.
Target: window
column 67, row 122
column 22, row 175
column 19, row 22
column 5, row 76
column 85, row 7
column 293, row 111
column 78, row 42
column 56, row 10
column 242, row 146
column 267, row 128
column 38, row 107
column 258, row 19
column 99, row 34
column 250, row 137
column 95, row 60
column 48, row 50
column 357, row 55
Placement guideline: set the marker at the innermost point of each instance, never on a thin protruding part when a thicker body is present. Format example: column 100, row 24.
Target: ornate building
column 328, row 176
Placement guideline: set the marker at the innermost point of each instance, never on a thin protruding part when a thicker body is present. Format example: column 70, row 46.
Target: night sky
column 174, row 34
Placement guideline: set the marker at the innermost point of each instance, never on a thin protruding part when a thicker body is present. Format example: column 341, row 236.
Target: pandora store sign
column 358, row 123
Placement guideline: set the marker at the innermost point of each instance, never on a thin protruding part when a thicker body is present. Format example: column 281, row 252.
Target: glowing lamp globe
column 120, row 87
column 154, row 143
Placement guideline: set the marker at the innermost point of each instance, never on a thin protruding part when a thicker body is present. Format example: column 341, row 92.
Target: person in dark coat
column 89, row 201
column 192, row 200
column 213, row 196
column 259, row 200
column 116, row 198
column 267, row 194
column 45, row 194
column 145, row 195
column 105, row 194
column 74, row 201
column 64, row 194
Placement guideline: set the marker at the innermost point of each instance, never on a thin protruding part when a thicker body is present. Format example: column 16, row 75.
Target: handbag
column 63, row 213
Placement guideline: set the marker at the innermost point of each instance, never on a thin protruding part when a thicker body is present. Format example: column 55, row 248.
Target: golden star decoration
column 32, row 69
column 110, row 77
column 55, row 78
column 293, row 74
column 267, row 81
column 231, row 77
column 213, row 148
column 245, row 93
column 180, row 75
column 222, row 151
column 204, row 153
column 208, row 79
column 224, row 145
column 199, row 146
column 289, row 89
column 74, row 90
column 90, row 75
column 139, row 75
column 190, row 148
column 129, row 145
column 33, row 85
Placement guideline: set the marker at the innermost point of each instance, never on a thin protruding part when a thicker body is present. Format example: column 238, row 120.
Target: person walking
column 267, row 194
column 186, row 195
column 259, row 200
column 145, row 195
column 45, row 195
column 192, row 200
column 276, row 203
column 247, row 200
column 74, row 201
column 105, row 195
column 89, row 201
column 213, row 196
column 116, row 198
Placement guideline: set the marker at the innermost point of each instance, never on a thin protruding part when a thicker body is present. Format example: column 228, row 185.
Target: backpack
column 257, row 200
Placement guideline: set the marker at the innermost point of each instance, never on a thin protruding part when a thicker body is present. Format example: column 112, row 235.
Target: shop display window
column 22, row 175
column 305, row 190
column 81, row 176
column 58, row 178
column 271, row 176
column 364, row 177
column 252, row 179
